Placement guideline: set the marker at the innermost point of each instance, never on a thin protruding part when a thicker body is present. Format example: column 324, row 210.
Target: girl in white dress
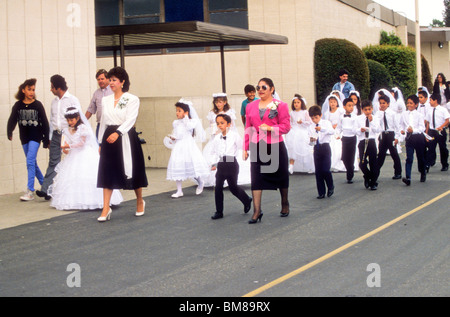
column 336, row 110
column 186, row 160
column 297, row 140
column 221, row 106
column 75, row 185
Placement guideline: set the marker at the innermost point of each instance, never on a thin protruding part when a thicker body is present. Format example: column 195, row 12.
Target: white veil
column 376, row 104
column 341, row 95
column 91, row 140
column 326, row 104
column 401, row 105
column 200, row 134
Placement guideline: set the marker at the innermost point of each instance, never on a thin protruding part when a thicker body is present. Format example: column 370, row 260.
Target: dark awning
column 178, row 35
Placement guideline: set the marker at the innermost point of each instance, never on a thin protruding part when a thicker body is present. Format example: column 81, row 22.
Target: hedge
column 379, row 77
column 400, row 61
column 330, row 56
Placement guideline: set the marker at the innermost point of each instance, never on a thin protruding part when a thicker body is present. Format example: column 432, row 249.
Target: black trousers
column 386, row 143
column 228, row 170
column 348, row 155
column 368, row 161
column 439, row 139
column 322, row 163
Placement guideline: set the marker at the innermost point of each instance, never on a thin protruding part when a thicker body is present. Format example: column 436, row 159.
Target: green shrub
column 400, row 61
column 389, row 39
column 379, row 77
column 330, row 56
column 427, row 81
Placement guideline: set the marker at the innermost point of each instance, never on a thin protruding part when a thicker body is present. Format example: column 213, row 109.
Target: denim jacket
column 347, row 88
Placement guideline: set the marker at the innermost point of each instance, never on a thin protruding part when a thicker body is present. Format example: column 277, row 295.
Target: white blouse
column 124, row 114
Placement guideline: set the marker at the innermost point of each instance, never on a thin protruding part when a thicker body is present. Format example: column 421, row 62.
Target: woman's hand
column 245, row 155
column 113, row 137
column 265, row 127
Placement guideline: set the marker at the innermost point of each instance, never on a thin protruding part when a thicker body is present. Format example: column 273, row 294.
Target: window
column 124, row 12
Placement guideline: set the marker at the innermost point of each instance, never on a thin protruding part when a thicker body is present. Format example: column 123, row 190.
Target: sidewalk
column 14, row 212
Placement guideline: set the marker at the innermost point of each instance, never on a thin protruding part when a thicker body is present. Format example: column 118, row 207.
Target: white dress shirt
column 225, row 145
column 58, row 108
column 348, row 126
column 392, row 122
column 325, row 133
column 374, row 127
column 440, row 115
column 413, row 119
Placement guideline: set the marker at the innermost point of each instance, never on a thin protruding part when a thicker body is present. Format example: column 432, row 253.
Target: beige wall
column 438, row 58
column 41, row 42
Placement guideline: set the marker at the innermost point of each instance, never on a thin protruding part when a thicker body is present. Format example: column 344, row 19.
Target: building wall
column 43, row 38
column 438, row 58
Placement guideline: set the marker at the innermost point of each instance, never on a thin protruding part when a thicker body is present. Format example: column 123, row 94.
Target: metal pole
column 418, row 48
column 122, row 51
column 222, row 65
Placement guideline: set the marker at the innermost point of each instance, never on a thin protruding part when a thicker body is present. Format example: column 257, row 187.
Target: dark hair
column 366, row 103
column 315, row 111
column 226, row 117
column 385, row 98
column 358, row 103
column 342, row 72
column 73, row 116
column 414, row 99
column 121, row 74
column 269, row 82
column 185, row 108
column 27, row 83
column 58, row 81
column 423, row 93
column 347, row 100
column 249, row 88
column 303, row 105
column 226, row 107
column 443, row 78
column 436, row 97
column 100, row 72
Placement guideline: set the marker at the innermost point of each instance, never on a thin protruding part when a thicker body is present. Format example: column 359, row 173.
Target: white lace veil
column 200, row 134
column 376, row 104
column 326, row 104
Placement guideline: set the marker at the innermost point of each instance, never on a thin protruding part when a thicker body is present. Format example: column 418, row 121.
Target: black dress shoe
column 445, row 168
column 43, row 194
column 248, row 206
column 320, row 196
column 407, row 181
column 349, row 181
column 373, row 187
column 330, row 192
column 366, row 183
column 396, row 176
column 423, row 177
column 217, row 215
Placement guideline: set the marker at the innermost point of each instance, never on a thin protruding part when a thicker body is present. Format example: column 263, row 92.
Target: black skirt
column 269, row 166
column 111, row 170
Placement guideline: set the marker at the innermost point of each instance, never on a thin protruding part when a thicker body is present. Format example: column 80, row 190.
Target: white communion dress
column 186, row 160
column 75, row 184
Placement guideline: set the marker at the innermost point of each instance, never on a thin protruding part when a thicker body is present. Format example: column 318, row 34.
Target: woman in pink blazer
column 267, row 120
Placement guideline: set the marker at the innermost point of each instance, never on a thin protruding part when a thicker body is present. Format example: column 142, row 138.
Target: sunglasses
column 263, row 87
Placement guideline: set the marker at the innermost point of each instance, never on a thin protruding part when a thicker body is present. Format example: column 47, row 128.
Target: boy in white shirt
column 225, row 147
column 320, row 132
column 436, row 121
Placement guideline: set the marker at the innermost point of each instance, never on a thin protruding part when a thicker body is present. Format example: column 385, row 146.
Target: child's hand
column 370, row 117
column 299, row 121
column 317, row 128
column 363, row 129
column 65, row 151
column 65, row 146
column 213, row 168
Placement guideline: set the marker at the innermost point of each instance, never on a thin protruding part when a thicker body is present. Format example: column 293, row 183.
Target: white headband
column 186, row 102
column 74, row 111
column 221, row 94
column 304, row 100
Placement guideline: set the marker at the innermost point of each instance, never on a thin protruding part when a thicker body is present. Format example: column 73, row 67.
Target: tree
column 437, row 23
column 447, row 13
column 389, row 39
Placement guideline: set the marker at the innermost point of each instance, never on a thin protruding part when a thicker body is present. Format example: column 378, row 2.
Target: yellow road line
column 339, row 250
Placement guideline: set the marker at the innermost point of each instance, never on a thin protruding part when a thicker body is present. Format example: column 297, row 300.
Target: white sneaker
column 28, row 196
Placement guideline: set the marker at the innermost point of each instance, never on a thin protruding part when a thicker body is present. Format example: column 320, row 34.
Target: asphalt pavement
column 176, row 250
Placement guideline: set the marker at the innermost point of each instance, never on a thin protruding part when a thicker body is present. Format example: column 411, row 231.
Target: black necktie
column 367, row 125
column 385, row 122
column 317, row 134
column 223, row 137
column 347, row 115
column 434, row 118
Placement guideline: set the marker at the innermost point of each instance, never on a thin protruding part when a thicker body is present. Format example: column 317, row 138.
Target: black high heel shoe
column 252, row 221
